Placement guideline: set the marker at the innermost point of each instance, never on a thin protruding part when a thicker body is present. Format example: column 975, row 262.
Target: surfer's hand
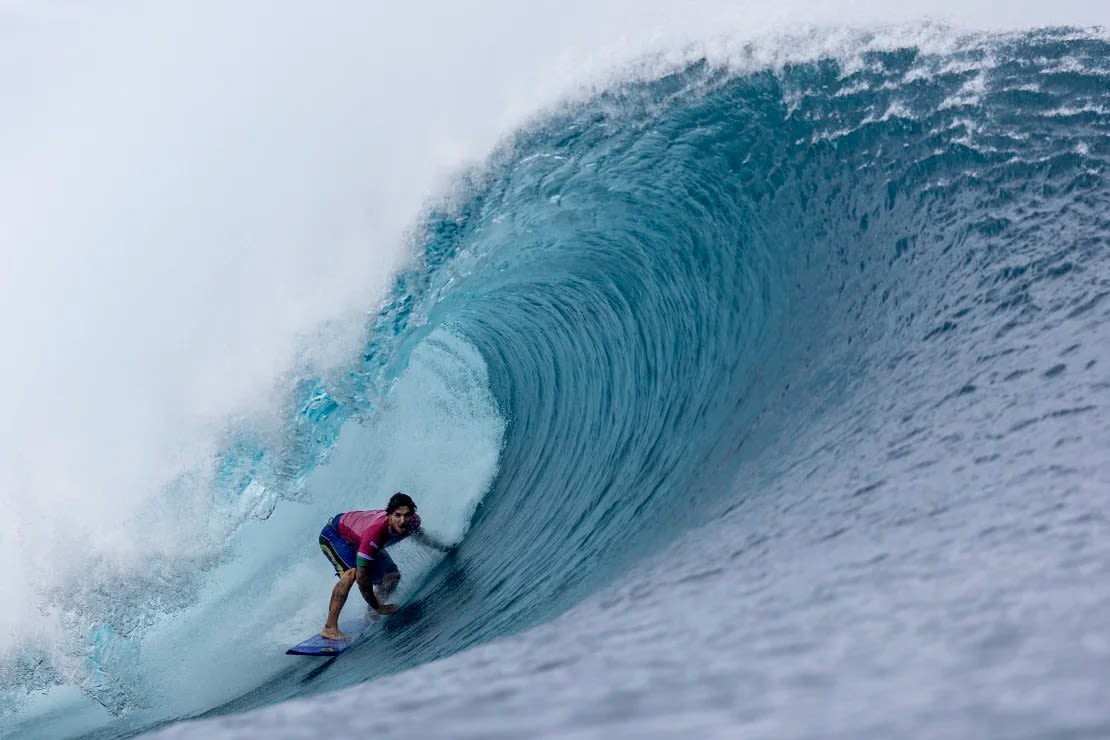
column 385, row 608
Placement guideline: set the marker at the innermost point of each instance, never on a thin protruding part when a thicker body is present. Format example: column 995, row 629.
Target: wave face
column 789, row 383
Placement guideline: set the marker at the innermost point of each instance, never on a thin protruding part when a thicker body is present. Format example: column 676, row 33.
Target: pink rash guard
column 369, row 532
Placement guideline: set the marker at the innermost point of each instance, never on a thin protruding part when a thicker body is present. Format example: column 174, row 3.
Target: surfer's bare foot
column 333, row 633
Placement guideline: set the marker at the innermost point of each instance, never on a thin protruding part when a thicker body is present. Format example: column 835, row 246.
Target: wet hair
column 398, row 500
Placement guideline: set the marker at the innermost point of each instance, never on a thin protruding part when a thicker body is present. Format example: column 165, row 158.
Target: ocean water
column 763, row 386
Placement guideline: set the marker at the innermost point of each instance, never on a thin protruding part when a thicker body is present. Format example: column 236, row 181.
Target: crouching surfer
column 355, row 542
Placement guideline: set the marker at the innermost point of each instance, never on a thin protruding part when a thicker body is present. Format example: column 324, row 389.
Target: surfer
column 355, row 541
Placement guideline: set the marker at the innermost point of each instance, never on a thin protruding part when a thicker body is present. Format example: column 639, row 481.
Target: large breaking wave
column 637, row 295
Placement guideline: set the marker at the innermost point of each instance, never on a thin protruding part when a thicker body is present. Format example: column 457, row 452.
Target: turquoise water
column 763, row 401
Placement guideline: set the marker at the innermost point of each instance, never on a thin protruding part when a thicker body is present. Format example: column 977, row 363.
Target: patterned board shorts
column 342, row 555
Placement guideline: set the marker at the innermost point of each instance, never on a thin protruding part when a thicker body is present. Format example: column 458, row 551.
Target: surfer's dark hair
column 398, row 500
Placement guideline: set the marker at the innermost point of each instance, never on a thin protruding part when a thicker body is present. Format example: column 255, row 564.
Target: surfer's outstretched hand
column 386, row 608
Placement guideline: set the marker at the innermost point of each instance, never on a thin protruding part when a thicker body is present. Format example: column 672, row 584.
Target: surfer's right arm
column 368, row 549
column 366, row 587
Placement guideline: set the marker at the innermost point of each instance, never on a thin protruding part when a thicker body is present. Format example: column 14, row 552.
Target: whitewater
column 754, row 358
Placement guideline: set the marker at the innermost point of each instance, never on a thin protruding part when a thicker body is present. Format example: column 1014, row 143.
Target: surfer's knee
column 347, row 577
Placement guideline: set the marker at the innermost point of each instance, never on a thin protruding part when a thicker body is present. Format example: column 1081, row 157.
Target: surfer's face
column 400, row 519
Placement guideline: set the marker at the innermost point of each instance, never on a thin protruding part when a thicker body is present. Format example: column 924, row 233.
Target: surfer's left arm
column 426, row 539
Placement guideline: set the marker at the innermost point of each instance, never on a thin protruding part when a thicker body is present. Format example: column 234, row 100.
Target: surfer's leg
column 338, row 599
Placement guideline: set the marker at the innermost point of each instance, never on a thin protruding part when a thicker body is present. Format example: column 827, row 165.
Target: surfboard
column 325, row 648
